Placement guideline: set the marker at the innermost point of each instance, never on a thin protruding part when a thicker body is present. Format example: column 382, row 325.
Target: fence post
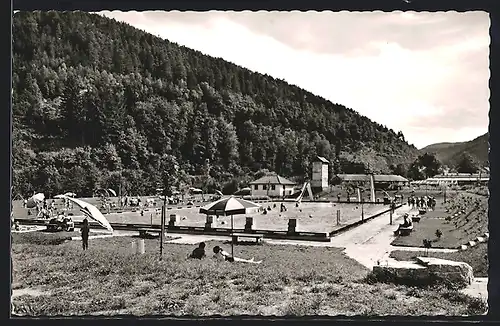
column 292, row 226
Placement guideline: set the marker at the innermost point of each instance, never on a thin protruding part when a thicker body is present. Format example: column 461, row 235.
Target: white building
column 272, row 185
column 459, row 179
column 320, row 173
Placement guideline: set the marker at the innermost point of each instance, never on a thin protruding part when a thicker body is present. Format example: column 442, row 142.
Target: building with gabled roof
column 380, row 181
column 272, row 185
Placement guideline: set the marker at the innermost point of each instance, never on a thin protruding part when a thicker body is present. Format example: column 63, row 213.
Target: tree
column 72, row 110
column 170, row 174
column 228, row 143
column 430, row 163
column 467, row 164
column 230, row 187
column 425, row 166
column 399, row 169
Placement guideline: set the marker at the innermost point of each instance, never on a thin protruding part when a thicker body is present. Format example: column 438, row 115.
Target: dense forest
column 98, row 103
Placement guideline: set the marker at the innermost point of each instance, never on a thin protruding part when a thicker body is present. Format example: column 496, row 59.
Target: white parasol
column 35, row 200
column 91, row 211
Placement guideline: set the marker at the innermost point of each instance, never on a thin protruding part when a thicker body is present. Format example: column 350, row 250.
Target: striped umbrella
column 230, row 206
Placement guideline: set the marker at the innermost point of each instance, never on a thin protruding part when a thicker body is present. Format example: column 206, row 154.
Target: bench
column 257, row 237
column 404, row 231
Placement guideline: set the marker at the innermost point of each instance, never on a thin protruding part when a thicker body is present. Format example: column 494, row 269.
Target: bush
column 42, row 238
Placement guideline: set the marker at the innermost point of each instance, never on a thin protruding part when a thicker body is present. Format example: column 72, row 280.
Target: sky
column 425, row 74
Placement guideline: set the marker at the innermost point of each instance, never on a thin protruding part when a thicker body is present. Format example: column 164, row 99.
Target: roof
column 389, row 178
column 353, row 177
column 273, row 179
column 322, row 159
column 376, row 177
column 462, row 176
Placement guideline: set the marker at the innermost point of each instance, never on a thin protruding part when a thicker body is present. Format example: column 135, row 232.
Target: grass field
column 476, row 257
column 457, row 230
column 109, row 280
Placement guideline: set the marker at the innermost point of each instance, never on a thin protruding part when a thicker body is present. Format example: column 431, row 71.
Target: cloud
column 413, row 72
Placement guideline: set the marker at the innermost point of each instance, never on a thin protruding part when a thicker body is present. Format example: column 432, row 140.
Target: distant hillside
column 98, row 103
column 449, row 153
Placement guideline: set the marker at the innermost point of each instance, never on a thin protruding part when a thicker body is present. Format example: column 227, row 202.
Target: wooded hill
column 451, row 153
column 98, row 103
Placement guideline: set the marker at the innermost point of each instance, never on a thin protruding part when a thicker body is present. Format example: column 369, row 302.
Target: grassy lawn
column 457, row 230
column 476, row 257
column 108, row 280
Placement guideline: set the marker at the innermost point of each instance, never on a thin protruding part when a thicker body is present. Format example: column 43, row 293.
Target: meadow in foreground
column 109, row 280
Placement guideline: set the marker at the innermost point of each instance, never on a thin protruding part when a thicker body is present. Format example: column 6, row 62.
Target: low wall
column 305, row 236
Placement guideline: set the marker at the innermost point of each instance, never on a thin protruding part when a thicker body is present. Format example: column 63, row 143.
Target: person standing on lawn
column 85, row 230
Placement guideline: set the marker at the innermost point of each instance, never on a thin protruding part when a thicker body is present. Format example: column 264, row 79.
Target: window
column 273, row 187
column 256, row 187
column 264, row 187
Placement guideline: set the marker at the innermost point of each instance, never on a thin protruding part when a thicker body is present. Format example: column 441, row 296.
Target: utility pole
column 362, row 207
column 163, row 217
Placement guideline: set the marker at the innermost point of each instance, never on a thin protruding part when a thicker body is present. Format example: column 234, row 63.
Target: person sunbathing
column 199, row 252
column 219, row 253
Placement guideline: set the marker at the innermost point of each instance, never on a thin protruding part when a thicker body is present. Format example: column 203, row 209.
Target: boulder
column 487, row 235
column 424, row 272
column 472, row 243
column 463, row 247
column 480, row 239
column 448, row 271
column 402, row 273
